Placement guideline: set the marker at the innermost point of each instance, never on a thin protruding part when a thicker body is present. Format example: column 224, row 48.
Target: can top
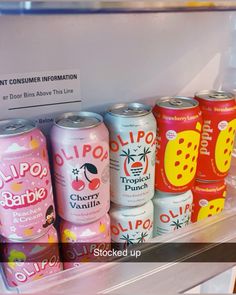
column 78, row 120
column 133, row 109
column 15, row 127
column 213, row 95
column 177, row 102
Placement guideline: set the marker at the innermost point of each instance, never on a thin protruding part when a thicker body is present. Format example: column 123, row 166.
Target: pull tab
column 14, row 127
column 176, row 102
column 218, row 95
column 76, row 119
column 133, row 110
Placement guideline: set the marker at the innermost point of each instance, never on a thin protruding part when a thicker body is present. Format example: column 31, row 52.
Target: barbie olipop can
column 81, row 166
column 84, row 239
column 29, row 261
column 26, row 198
column 132, row 153
column 131, row 225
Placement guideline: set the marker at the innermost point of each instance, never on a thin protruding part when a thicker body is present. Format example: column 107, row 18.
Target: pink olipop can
column 80, row 143
column 87, row 237
column 30, row 261
column 26, row 197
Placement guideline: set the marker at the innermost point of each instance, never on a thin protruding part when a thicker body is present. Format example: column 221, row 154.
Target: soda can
column 171, row 211
column 81, row 166
column 208, row 199
column 131, row 225
column 132, row 129
column 178, row 137
column 84, row 239
column 26, row 262
column 26, row 197
column 217, row 139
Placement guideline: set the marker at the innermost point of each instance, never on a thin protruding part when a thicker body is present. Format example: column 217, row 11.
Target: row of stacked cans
column 27, row 209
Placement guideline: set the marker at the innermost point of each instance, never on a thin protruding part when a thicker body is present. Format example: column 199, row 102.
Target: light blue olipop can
column 132, row 129
column 171, row 211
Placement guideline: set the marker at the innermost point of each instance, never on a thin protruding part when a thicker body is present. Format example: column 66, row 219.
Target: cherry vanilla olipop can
column 131, row 225
column 208, row 199
column 132, row 129
column 80, row 144
column 171, row 211
column 26, row 198
column 31, row 261
column 218, row 133
column 83, row 240
column 179, row 125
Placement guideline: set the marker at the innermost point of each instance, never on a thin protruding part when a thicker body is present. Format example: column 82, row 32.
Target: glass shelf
column 95, row 6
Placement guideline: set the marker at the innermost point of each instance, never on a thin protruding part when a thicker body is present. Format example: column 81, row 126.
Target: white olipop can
column 132, row 153
column 131, row 225
column 171, row 211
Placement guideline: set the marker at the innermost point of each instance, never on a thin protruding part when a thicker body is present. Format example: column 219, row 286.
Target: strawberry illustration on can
column 132, row 148
column 218, row 133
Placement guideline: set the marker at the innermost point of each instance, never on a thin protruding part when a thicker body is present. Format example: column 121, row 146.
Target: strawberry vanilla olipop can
column 132, row 153
column 26, row 198
column 208, row 199
column 80, row 143
column 179, row 125
column 30, row 261
column 218, row 132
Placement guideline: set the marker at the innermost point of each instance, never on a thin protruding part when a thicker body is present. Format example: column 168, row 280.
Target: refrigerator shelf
column 110, row 6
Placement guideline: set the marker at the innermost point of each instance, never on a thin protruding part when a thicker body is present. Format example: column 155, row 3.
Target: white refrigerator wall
column 121, row 57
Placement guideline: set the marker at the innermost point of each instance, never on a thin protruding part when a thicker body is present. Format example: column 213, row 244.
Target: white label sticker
column 171, row 135
column 39, row 96
column 222, row 125
column 203, row 203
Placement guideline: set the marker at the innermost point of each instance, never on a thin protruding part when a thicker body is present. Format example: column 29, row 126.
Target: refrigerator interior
column 128, row 57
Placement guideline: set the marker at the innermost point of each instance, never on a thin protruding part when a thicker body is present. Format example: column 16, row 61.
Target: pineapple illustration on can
column 131, row 225
column 132, row 153
column 80, row 241
column 179, row 125
column 218, row 133
column 81, row 166
column 208, row 199
column 171, row 211
column 26, row 262
column 26, row 197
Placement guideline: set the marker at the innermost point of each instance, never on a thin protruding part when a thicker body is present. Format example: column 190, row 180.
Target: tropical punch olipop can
column 218, row 132
column 132, row 153
column 81, row 166
column 26, row 198
column 208, row 199
column 171, row 211
column 178, row 136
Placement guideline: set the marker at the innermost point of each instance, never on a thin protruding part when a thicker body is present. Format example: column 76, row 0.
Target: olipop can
column 80, row 143
column 84, row 239
column 178, row 137
column 217, row 138
column 26, row 198
column 132, row 153
column 208, row 199
column 131, row 225
column 171, row 211
column 28, row 262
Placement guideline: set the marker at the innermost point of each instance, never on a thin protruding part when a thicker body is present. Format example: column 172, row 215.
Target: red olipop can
column 208, row 199
column 217, row 138
column 179, row 124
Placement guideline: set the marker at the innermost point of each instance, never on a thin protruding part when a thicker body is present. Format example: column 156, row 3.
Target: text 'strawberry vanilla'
column 83, row 240
column 179, row 125
column 80, row 143
column 26, row 198
column 208, row 199
column 132, row 153
column 218, row 133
